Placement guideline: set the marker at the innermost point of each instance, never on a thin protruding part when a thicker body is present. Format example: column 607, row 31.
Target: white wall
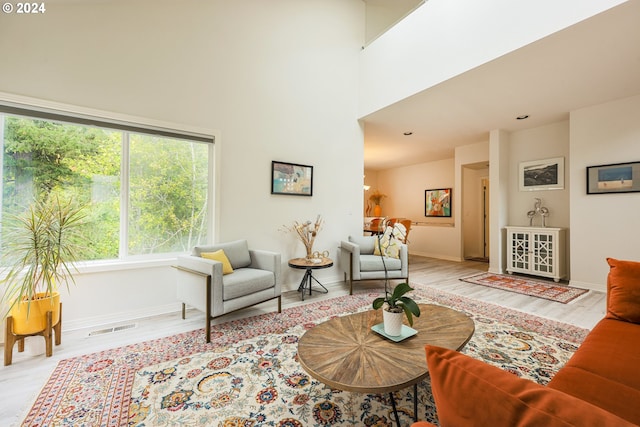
column 273, row 78
column 444, row 38
column 405, row 186
column 538, row 143
column 603, row 225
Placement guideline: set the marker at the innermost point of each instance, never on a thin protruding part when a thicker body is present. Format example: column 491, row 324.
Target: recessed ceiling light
column 408, row 133
column 522, row 117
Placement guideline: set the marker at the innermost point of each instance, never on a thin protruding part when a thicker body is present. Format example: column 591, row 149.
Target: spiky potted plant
column 395, row 303
column 42, row 246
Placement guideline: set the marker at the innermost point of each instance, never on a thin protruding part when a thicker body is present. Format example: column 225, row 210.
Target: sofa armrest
column 201, row 265
column 350, row 247
column 351, row 257
column 404, row 259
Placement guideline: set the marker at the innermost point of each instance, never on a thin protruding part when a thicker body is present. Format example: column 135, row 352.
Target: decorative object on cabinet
column 537, row 251
column 613, row 178
column 437, row 202
column 538, row 209
column 546, row 174
column 291, row 178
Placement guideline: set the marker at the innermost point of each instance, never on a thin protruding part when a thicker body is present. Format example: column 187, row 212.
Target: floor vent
column 113, row 329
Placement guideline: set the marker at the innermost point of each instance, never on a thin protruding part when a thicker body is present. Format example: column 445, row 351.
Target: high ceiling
column 592, row 62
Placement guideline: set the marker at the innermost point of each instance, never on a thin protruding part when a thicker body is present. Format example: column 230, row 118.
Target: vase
column 377, row 210
column 30, row 317
column 392, row 322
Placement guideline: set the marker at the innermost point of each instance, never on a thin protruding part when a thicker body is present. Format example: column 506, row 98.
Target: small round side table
column 309, row 266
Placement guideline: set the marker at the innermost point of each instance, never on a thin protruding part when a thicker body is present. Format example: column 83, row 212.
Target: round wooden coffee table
column 344, row 352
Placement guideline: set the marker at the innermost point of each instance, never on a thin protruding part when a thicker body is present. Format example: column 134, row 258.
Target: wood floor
column 21, row 382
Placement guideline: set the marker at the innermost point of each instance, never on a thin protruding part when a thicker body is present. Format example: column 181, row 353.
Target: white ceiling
column 592, row 62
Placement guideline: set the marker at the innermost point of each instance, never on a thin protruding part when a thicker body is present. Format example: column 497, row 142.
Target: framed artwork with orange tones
column 437, row 203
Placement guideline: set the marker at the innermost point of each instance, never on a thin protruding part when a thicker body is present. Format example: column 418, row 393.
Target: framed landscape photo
column 437, row 203
column 546, row 174
column 291, row 178
column 614, row 178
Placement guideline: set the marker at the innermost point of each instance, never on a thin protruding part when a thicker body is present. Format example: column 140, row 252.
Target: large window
column 143, row 192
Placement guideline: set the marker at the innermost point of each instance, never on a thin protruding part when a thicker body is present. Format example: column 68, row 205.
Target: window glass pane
column 78, row 163
column 168, row 181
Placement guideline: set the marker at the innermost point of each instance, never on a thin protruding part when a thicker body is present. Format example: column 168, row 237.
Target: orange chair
column 392, row 221
column 407, row 225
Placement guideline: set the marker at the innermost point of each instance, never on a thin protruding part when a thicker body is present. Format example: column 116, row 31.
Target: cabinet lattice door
column 537, row 251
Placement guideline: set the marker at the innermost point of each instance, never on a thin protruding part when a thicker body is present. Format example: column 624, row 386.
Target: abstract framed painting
column 545, row 174
column 437, row 202
column 291, row 178
column 613, row 178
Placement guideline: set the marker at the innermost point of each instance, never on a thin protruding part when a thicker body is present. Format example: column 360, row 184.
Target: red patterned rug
column 523, row 285
column 249, row 375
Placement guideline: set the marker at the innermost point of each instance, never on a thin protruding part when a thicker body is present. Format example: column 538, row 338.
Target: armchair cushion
column 219, row 255
column 623, row 290
column 374, row 263
column 246, row 281
column 237, row 252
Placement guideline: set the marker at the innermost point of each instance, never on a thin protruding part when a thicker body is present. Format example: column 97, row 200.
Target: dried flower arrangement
column 307, row 232
column 376, row 197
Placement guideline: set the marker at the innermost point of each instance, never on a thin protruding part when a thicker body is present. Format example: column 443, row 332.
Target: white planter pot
column 35, row 346
column 392, row 323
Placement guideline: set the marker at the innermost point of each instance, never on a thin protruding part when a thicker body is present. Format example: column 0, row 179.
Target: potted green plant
column 40, row 248
column 396, row 304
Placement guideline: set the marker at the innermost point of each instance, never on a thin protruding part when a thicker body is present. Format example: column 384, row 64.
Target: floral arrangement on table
column 307, row 232
column 376, row 197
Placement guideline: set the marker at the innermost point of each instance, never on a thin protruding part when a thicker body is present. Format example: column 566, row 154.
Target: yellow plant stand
column 10, row 338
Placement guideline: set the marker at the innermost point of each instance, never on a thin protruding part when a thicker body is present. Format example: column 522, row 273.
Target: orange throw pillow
column 623, row 290
column 470, row 392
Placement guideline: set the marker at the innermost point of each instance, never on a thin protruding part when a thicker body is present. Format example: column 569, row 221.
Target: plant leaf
column 409, row 304
column 400, row 290
column 378, row 302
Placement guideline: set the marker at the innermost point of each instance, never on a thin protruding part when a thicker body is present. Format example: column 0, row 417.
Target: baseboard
column 437, row 256
column 123, row 316
column 127, row 316
column 586, row 285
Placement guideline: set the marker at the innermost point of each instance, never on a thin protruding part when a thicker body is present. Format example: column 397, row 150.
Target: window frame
column 44, row 110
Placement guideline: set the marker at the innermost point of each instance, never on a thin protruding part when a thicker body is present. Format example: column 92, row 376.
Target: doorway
column 475, row 212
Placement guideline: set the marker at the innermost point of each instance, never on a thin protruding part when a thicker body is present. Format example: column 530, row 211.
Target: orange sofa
column 599, row 385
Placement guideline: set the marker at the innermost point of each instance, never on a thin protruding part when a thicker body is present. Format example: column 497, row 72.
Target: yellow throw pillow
column 219, row 255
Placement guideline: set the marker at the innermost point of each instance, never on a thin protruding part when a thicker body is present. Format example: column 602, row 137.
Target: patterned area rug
column 526, row 286
column 249, row 376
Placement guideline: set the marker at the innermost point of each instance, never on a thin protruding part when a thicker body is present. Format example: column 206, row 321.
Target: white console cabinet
column 536, row 250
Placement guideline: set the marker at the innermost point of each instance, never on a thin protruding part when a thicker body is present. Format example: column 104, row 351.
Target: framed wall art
column 437, row 203
column 614, row 178
column 546, row 174
column 291, row 178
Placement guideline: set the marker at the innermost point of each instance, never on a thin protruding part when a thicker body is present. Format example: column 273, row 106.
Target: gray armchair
column 202, row 285
column 361, row 264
